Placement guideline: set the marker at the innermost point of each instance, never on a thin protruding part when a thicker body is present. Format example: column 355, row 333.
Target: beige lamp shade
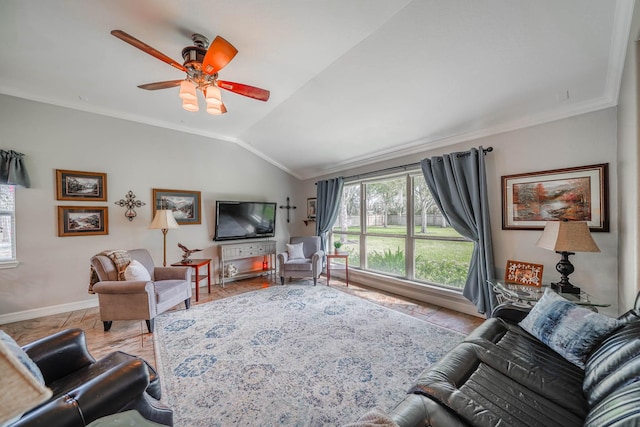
column 163, row 220
column 567, row 236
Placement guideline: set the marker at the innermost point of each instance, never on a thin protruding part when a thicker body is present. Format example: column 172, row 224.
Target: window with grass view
column 7, row 223
column 391, row 225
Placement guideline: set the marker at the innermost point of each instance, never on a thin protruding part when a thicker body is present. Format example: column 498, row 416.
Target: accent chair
column 303, row 258
column 139, row 299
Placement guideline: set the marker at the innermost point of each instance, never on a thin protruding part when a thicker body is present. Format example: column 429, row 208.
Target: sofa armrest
column 60, row 354
column 282, row 257
column 123, row 287
column 172, row 273
column 316, row 261
column 511, row 312
column 419, row 411
column 100, row 396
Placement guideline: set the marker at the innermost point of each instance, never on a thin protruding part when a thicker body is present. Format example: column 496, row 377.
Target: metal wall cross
column 130, row 202
column 288, row 207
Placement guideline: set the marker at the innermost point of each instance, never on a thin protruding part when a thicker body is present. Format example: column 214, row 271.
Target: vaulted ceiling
column 351, row 81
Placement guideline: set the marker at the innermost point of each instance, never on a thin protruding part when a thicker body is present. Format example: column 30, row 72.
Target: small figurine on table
column 187, row 253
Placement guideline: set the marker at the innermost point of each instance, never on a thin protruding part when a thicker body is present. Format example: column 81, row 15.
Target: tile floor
column 132, row 336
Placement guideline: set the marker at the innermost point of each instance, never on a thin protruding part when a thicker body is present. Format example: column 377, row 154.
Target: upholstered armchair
column 303, row 258
column 154, row 290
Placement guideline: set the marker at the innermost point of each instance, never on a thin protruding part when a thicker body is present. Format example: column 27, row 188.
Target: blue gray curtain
column 12, row 169
column 458, row 184
column 329, row 193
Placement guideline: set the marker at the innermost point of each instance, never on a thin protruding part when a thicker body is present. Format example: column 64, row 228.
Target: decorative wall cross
column 288, row 207
column 130, row 202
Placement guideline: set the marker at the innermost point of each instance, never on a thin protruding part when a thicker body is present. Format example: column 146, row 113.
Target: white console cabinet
column 253, row 258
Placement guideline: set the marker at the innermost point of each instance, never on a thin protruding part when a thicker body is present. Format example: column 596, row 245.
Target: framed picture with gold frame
column 523, row 273
column 83, row 220
column 81, row 186
column 184, row 204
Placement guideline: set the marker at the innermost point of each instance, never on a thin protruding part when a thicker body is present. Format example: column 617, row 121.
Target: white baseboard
column 47, row 311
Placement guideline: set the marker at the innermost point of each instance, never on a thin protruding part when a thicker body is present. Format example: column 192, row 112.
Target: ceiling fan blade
column 161, row 85
column 147, row 49
column 246, row 90
column 219, row 54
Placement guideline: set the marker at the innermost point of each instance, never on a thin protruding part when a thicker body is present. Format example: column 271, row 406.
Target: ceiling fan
column 202, row 61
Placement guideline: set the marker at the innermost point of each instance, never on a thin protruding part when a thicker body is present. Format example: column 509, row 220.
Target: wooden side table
column 346, row 266
column 196, row 264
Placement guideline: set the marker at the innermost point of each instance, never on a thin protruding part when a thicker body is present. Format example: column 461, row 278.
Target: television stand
column 252, row 259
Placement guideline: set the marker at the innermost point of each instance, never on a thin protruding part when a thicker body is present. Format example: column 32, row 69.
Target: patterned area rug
column 290, row 356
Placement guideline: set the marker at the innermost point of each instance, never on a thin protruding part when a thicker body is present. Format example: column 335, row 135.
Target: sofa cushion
column 570, row 330
column 620, row 409
column 484, row 391
column 135, row 271
column 613, row 363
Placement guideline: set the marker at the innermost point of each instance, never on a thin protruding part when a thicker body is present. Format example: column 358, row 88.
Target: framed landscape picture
column 184, row 204
column 529, row 200
column 82, row 220
column 81, row 186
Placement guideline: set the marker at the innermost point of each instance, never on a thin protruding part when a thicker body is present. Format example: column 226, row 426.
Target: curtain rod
column 398, row 168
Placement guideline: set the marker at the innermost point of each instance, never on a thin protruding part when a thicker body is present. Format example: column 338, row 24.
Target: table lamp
column 566, row 238
column 164, row 220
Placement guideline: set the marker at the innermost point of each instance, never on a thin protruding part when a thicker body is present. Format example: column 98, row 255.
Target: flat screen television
column 245, row 220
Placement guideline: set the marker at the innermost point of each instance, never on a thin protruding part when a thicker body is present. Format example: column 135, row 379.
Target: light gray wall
column 53, row 272
column 628, row 176
column 582, row 140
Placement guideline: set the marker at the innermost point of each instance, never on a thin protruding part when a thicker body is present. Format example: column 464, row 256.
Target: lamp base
column 565, row 288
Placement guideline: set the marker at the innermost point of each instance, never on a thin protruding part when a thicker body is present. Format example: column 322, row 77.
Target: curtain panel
column 12, row 169
column 458, row 184
column 329, row 193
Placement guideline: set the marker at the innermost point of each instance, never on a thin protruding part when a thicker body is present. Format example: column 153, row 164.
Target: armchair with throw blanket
column 140, row 291
column 302, row 259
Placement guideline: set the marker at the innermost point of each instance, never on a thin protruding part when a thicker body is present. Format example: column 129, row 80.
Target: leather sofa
column 502, row 376
column 85, row 389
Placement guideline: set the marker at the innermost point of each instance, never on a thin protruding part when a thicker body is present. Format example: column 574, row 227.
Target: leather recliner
column 85, row 389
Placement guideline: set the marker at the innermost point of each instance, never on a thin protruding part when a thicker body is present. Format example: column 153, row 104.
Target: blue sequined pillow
column 568, row 329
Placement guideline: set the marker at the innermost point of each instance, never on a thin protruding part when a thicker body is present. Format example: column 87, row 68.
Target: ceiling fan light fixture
column 190, row 105
column 213, row 96
column 214, row 110
column 188, row 91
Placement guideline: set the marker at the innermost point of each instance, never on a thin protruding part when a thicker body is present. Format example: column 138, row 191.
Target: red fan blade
column 161, row 85
column 147, row 49
column 246, row 90
column 219, row 54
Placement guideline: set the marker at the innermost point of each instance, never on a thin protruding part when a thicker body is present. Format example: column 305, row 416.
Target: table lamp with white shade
column 566, row 238
column 164, row 220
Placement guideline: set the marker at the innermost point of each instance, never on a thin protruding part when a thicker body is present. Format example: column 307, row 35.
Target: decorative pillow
column 19, row 353
column 568, row 329
column 136, row 272
column 23, row 380
column 295, row 251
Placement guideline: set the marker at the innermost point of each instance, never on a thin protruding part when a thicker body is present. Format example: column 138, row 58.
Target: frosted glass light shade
column 214, row 110
column 190, row 105
column 213, row 96
column 188, row 90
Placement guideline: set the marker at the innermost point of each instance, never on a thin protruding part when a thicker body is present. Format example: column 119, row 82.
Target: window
column 391, row 225
column 7, row 224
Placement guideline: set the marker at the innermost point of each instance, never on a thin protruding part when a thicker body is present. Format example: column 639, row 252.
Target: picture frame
column 81, row 186
column 311, row 208
column 529, row 200
column 83, row 220
column 185, row 204
column 523, row 273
